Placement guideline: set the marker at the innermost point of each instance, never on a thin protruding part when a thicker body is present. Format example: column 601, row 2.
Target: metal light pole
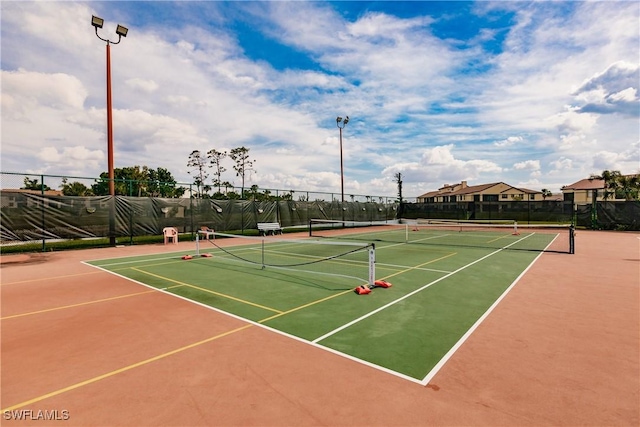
column 121, row 32
column 344, row 122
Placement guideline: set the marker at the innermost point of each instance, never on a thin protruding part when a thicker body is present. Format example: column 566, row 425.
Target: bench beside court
column 266, row 228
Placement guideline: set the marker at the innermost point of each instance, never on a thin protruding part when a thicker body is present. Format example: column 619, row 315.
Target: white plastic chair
column 170, row 235
column 207, row 232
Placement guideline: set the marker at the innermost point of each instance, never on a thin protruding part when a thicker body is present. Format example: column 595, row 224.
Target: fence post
column 191, row 210
column 594, row 210
column 42, row 211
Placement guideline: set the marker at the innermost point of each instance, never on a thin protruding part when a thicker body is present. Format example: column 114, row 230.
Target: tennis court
column 91, row 346
column 444, row 280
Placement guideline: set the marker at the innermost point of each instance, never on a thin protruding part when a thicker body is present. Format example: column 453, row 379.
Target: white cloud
column 562, row 164
column 563, row 92
column 142, row 85
column 29, row 88
column 614, row 90
column 616, row 77
column 508, row 141
column 627, row 95
column 438, row 165
column 532, row 165
column 627, row 160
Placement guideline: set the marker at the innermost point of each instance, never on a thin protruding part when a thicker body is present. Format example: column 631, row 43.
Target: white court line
column 314, row 343
column 371, row 313
column 432, row 373
column 472, row 329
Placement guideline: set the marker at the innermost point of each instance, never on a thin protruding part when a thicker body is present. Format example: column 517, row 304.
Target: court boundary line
column 189, row 285
column 315, row 343
column 269, row 328
column 123, row 369
column 384, row 307
column 260, row 323
column 481, row 319
column 436, row 368
column 48, row 278
column 46, row 310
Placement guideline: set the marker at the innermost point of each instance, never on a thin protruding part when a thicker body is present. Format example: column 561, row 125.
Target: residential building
column 590, row 189
column 583, row 191
column 493, row 192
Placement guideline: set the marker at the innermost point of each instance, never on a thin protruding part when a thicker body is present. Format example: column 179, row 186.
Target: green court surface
column 439, row 291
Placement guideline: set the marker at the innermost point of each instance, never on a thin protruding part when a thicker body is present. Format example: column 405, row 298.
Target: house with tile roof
column 492, row 192
column 583, row 191
column 590, row 189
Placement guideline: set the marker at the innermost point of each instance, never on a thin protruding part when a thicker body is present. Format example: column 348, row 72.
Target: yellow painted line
column 498, row 238
column 420, row 265
column 173, row 261
column 121, row 370
column 208, row 290
column 52, row 278
column 349, row 291
column 305, row 306
column 75, row 305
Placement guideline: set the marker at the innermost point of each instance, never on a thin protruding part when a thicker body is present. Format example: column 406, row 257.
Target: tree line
column 200, row 164
column 142, row 181
column 619, row 186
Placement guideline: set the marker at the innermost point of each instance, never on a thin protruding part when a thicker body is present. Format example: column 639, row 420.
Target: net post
column 572, row 242
column 197, row 244
column 372, row 264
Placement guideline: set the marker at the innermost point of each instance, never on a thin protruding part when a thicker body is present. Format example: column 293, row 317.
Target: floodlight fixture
column 97, row 22
column 122, row 31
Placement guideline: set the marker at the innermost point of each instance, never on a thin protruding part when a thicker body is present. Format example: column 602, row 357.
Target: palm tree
column 628, row 187
column 216, row 158
column 610, row 179
column 197, row 162
column 254, row 191
column 546, row 193
column 398, row 180
column 243, row 165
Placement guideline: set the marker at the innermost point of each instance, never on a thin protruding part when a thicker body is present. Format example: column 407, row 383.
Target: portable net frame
column 353, row 261
column 503, row 234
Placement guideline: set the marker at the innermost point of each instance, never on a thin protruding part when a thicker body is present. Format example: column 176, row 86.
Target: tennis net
column 338, row 261
column 481, row 234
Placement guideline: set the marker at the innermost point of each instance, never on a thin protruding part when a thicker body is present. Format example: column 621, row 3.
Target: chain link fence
column 51, row 208
column 549, row 211
column 609, row 215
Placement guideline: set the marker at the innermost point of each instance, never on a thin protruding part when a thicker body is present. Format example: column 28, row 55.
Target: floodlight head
column 346, row 120
column 122, row 31
column 96, row 21
column 339, row 119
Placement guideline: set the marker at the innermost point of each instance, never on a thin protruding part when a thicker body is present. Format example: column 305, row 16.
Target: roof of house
column 586, row 184
column 472, row 189
column 430, row 194
column 527, row 191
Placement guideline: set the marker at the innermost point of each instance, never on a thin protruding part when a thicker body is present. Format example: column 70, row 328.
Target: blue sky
column 534, row 94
